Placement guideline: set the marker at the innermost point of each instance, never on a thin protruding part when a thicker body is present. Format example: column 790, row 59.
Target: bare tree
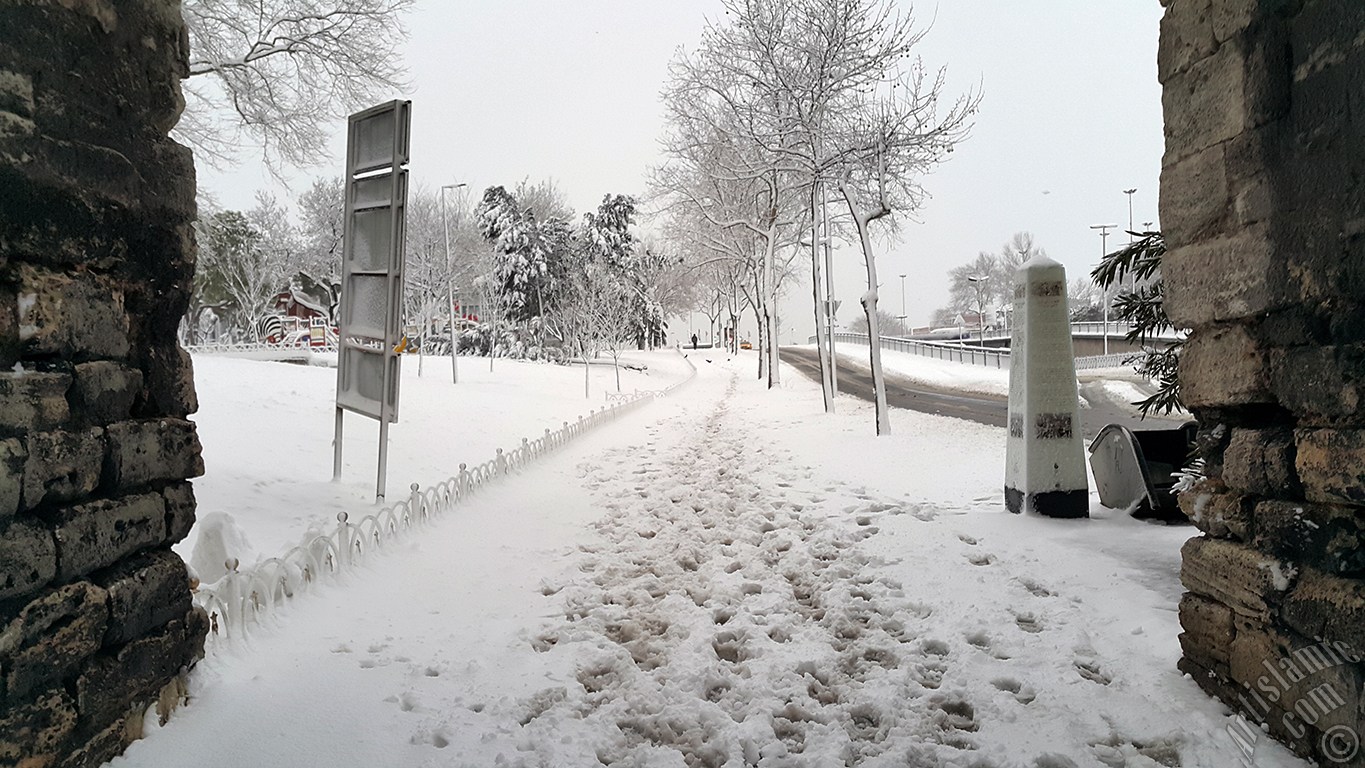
column 321, row 215
column 282, row 73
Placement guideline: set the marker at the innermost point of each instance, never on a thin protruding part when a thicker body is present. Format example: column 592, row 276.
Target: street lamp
column 1104, row 251
column 450, row 283
column 904, row 330
column 1129, row 193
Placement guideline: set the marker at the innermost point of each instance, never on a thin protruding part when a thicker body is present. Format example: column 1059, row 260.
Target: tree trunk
column 821, row 350
column 769, row 290
column 869, row 302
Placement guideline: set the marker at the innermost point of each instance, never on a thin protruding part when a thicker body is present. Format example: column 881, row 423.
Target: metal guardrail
column 241, row 599
column 990, row 357
column 1083, row 328
column 957, row 353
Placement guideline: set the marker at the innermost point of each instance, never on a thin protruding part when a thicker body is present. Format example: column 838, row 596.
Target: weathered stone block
column 1261, row 461
column 1220, row 515
column 33, row 734
column 62, row 466
column 1247, row 581
column 97, row 534
column 1304, row 683
column 141, row 452
column 1329, row 607
column 169, row 387
column 51, row 636
column 105, row 391
column 33, row 401
column 1266, row 77
column 137, row 671
column 1223, row 367
column 1208, row 629
column 75, row 316
column 1252, row 203
column 1194, row 196
column 1224, row 279
column 180, row 506
column 16, row 93
column 1205, row 104
column 104, row 745
column 1231, row 17
column 1187, row 36
column 145, row 591
column 28, row 558
column 1320, row 381
column 1331, row 465
column 13, row 458
column 1327, row 537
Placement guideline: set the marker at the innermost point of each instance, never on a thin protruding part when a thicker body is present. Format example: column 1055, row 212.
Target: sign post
column 372, row 273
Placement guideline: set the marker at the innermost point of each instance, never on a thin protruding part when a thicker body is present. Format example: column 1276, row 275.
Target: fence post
column 344, row 539
column 501, row 462
column 414, row 503
column 462, row 485
column 234, row 601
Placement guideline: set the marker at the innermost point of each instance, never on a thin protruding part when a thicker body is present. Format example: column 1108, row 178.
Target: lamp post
column 904, row 330
column 1104, row 251
column 450, row 283
column 1132, row 279
column 1129, row 193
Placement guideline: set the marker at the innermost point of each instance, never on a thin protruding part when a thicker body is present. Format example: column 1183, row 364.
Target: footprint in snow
column 1034, row 588
column 1029, row 623
column 979, row 639
column 1090, row 670
column 1021, row 693
column 981, row 558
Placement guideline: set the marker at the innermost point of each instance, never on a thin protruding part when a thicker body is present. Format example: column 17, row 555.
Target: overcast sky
column 568, row 90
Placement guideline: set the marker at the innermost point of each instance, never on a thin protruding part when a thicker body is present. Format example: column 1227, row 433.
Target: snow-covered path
column 728, row 578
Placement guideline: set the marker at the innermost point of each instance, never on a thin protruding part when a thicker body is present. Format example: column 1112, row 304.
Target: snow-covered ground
column 267, row 430
column 726, row 577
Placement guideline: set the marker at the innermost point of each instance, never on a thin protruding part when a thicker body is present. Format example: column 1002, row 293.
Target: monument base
column 1069, row 504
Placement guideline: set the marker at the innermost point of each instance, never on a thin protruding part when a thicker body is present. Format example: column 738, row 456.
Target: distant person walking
column 694, row 341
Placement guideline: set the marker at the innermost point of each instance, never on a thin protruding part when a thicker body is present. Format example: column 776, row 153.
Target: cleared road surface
column 855, row 378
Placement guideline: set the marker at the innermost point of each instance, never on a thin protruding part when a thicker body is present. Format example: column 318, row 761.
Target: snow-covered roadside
column 266, row 430
column 1121, row 387
column 729, row 578
column 940, row 374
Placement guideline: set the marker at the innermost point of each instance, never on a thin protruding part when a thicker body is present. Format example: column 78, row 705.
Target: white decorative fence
column 241, row 598
column 259, row 350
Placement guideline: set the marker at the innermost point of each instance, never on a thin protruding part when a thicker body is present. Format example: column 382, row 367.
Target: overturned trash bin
column 1134, row 468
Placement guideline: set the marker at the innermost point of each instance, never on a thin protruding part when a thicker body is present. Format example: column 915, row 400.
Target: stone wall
column 96, row 259
column 1263, row 207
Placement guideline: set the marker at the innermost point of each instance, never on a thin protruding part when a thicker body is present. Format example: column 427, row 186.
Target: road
column 855, row 378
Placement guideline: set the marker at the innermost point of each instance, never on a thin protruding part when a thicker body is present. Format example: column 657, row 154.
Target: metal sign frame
column 372, row 272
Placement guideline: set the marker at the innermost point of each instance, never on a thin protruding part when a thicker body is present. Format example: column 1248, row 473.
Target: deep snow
column 726, row 577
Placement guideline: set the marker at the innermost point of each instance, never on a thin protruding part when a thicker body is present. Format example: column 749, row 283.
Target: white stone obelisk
column 1044, row 458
